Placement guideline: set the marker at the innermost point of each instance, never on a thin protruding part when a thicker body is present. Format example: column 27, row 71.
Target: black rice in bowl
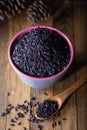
column 41, row 52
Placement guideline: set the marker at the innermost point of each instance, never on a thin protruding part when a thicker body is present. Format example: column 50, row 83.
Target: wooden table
column 73, row 22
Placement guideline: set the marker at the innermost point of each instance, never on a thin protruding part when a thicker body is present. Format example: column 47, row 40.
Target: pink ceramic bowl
column 40, row 82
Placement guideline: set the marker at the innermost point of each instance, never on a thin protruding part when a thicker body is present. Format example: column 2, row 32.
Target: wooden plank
column 39, row 94
column 3, row 73
column 19, row 92
column 75, row 109
column 14, row 84
column 80, row 30
column 64, row 22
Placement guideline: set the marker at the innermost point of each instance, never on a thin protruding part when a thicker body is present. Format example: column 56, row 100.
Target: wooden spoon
column 60, row 98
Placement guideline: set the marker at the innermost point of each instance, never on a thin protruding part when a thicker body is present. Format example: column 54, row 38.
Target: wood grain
column 73, row 22
column 19, row 92
column 80, row 25
column 64, row 22
column 3, row 72
column 74, row 87
column 39, row 94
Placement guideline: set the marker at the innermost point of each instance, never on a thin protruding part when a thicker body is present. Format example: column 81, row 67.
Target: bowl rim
column 20, row 33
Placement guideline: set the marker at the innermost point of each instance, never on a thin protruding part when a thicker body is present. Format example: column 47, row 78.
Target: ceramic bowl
column 34, row 81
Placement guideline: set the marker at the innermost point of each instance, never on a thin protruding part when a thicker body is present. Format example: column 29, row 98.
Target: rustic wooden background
column 72, row 20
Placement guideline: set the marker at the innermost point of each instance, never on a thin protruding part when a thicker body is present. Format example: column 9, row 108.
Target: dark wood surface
column 72, row 20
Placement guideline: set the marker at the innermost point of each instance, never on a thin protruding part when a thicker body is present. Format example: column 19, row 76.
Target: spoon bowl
column 53, row 98
column 60, row 98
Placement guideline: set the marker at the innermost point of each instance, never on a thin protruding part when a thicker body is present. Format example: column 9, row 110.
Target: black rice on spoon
column 47, row 108
column 40, row 52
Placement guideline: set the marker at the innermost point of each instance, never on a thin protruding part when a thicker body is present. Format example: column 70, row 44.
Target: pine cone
column 9, row 8
column 38, row 11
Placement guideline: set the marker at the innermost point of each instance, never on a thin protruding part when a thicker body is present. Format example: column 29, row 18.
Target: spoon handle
column 73, row 88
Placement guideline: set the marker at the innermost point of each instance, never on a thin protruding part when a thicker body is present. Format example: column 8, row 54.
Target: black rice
column 3, row 114
column 25, row 128
column 13, row 121
column 12, row 124
column 54, row 124
column 20, row 115
column 16, row 118
column 58, row 114
column 19, row 123
column 40, row 53
column 9, row 105
column 45, row 93
column 64, row 118
column 33, row 98
column 8, row 110
column 8, row 94
column 39, row 127
column 59, row 122
column 47, row 108
column 25, row 101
